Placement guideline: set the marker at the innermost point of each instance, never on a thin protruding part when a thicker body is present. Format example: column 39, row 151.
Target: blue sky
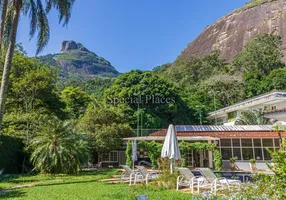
column 132, row 34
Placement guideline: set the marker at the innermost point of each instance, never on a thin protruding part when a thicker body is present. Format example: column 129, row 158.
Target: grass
column 82, row 186
column 254, row 3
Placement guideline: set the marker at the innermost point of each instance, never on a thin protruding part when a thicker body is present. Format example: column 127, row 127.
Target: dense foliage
column 106, row 109
column 265, row 186
column 157, row 101
column 106, row 127
column 57, row 148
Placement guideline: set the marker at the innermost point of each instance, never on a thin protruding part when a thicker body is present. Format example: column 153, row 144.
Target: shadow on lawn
column 65, row 183
column 12, row 194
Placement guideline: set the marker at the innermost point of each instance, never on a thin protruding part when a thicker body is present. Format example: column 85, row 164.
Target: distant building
column 272, row 105
column 241, row 142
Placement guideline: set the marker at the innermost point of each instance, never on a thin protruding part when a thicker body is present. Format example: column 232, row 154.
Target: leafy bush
column 11, row 154
column 128, row 154
column 232, row 160
column 58, row 148
column 166, row 179
column 217, row 160
column 252, row 160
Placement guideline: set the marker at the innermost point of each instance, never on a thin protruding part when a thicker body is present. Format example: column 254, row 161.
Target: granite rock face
column 74, row 60
column 230, row 33
column 71, row 45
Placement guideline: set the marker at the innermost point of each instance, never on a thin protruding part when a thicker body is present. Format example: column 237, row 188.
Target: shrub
column 252, row 160
column 58, row 148
column 128, row 154
column 232, row 160
column 217, row 160
column 11, row 154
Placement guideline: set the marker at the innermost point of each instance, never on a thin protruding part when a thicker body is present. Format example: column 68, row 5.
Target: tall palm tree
column 2, row 25
column 37, row 12
column 58, row 148
column 253, row 118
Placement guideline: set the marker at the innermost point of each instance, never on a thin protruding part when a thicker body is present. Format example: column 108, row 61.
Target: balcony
column 277, row 114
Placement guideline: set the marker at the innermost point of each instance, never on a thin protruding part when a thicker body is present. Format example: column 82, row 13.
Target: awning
column 181, row 138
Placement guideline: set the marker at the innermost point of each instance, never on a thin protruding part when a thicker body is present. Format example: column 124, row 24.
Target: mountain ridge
column 230, row 33
column 75, row 60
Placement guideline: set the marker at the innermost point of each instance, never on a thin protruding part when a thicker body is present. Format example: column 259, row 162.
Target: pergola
column 180, row 138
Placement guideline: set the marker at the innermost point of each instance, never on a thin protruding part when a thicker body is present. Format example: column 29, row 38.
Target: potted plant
column 232, row 163
column 252, row 164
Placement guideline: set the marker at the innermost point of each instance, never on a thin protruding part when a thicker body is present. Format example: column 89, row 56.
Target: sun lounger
column 218, row 183
column 145, row 174
column 187, row 178
column 128, row 174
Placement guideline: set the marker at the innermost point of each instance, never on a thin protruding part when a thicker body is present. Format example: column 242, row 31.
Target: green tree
column 39, row 22
column 158, row 100
column 4, row 5
column 279, row 158
column 58, row 148
column 106, row 128
column 32, row 94
column 260, row 55
column 76, row 100
column 275, row 80
column 252, row 118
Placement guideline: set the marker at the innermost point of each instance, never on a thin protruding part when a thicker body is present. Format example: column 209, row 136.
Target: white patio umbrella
column 171, row 147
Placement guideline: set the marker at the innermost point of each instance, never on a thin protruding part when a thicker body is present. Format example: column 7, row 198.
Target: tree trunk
column 8, row 59
column 2, row 25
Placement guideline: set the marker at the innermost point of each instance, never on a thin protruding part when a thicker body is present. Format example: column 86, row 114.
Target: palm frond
column 253, row 118
column 63, row 6
column 44, row 29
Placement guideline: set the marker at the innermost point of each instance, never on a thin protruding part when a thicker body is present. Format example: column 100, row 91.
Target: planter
column 252, row 166
column 232, row 165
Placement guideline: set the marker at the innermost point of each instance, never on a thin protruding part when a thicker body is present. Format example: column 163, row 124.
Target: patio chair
column 144, row 174
column 187, row 178
column 218, row 183
column 129, row 174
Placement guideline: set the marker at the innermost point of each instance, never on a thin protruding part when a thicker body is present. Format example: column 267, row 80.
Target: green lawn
column 82, row 186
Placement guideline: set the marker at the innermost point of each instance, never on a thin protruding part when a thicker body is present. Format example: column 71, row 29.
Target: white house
column 272, row 105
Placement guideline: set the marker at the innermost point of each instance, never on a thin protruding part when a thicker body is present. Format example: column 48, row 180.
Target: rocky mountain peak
column 71, row 45
column 230, row 33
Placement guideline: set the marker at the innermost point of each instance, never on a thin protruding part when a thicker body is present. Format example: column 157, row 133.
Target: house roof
column 181, row 138
column 212, row 128
column 274, row 96
column 222, row 131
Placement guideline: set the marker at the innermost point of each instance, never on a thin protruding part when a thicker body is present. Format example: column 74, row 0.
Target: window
column 248, row 148
column 236, row 142
column 257, row 142
column 267, row 142
column 226, row 153
column 246, row 142
column 112, row 157
column 247, row 153
column 267, row 154
column 225, row 142
column 258, row 153
column 190, row 159
column 237, row 153
column 276, row 142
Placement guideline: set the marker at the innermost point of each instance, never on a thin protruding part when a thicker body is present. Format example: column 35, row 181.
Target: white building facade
column 272, row 105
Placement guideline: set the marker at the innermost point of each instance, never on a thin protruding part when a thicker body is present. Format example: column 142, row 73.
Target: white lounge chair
column 128, row 174
column 218, row 183
column 187, row 178
column 144, row 174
